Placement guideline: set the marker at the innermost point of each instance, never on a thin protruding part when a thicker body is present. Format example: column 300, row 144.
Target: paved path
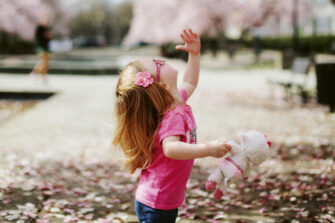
column 80, row 116
column 77, row 121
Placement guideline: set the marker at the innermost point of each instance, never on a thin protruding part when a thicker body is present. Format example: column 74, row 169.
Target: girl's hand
column 192, row 42
column 218, row 149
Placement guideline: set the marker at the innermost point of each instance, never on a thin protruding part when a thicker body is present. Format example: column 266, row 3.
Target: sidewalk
column 80, row 114
column 69, row 124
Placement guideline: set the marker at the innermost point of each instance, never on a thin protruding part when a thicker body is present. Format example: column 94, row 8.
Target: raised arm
column 175, row 149
column 192, row 46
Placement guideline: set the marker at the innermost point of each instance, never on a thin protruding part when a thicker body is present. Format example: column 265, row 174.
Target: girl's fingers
column 187, row 35
column 186, row 40
column 194, row 35
column 183, row 37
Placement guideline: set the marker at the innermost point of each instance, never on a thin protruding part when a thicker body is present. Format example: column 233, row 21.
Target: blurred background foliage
column 110, row 23
column 93, row 23
column 86, row 23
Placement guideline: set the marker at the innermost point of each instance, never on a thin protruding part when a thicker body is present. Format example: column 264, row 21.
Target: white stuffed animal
column 253, row 150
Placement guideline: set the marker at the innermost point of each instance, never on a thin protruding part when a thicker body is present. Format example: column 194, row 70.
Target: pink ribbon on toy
column 237, row 166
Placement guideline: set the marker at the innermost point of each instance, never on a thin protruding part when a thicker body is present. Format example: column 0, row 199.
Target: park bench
column 297, row 80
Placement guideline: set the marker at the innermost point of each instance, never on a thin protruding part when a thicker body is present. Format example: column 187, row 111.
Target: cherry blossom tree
column 21, row 17
column 285, row 19
column 252, row 14
column 162, row 21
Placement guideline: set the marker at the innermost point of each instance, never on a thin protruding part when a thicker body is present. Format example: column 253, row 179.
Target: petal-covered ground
column 285, row 189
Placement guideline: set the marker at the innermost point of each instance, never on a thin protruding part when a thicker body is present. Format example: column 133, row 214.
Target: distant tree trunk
column 295, row 25
column 223, row 41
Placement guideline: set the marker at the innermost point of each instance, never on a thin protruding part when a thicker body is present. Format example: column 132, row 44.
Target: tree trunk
column 295, row 25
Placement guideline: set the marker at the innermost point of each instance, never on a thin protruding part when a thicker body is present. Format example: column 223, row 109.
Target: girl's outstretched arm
column 192, row 46
column 175, row 149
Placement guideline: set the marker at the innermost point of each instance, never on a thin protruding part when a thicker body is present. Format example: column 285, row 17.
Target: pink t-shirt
column 162, row 185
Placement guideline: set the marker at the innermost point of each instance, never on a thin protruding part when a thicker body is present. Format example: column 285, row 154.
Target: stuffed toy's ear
column 240, row 135
column 235, row 148
column 243, row 137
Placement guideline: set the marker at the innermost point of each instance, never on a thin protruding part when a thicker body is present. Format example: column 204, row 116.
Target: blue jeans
column 147, row 214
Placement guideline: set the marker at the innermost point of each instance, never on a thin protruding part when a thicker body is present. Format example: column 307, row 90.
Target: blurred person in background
column 43, row 35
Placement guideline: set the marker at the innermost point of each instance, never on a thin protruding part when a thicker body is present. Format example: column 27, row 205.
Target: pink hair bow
column 144, row 79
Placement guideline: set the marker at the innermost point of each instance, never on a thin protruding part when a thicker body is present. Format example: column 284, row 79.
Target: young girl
column 157, row 131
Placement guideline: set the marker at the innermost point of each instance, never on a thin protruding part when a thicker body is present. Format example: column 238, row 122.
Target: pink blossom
column 43, row 221
column 7, row 200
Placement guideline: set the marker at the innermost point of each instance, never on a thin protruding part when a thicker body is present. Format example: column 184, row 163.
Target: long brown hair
column 139, row 112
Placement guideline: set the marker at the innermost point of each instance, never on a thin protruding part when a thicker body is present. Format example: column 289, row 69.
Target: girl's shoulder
column 177, row 114
column 176, row 110
column 172, row 124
